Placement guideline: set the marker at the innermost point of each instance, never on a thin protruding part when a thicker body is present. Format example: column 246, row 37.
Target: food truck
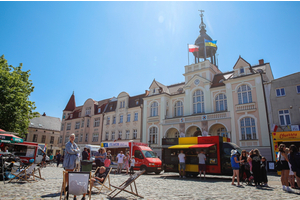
column 145, row 158
column 216, row 148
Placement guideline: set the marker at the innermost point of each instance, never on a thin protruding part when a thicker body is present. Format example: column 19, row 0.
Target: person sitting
column 99, row 177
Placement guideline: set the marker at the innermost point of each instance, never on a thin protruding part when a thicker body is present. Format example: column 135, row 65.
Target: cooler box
column 86, row 165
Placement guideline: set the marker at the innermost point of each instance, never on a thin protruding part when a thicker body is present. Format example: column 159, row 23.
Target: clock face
column 197, row 81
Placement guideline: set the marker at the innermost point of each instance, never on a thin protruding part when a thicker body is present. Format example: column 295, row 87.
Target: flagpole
column 188, row 54
column 204, row 50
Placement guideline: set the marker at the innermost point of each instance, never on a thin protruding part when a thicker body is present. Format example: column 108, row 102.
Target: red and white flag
column 193, row 48
column 274, row 128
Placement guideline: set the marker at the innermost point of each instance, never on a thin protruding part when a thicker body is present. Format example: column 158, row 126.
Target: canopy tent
column 6, row 137
column 190, row 146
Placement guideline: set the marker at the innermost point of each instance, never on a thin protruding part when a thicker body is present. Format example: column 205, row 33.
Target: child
column 263, row 172
column 250, row 163
column 132, row 162
column 107, row 163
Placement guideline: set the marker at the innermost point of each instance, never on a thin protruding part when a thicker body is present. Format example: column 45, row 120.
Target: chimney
column 146, row 92
column 261, row 61
column 44, row 114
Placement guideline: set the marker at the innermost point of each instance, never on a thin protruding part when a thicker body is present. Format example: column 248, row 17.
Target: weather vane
column 201, row 15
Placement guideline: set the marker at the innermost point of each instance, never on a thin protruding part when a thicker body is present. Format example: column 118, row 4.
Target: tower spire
column 202, row 26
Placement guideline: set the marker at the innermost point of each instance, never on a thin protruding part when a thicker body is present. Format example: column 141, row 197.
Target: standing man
column 58, row 157
column 120, row 158
column 181, row 158
column 85, row 154
column 202, row 166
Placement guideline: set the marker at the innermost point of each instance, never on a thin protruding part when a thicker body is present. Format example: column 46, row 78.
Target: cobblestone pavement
column 163, row 186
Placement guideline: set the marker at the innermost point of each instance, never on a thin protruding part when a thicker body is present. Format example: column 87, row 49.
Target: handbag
column 278, row 165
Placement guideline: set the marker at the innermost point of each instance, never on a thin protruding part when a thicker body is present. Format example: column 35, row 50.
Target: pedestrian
column 51, row 157
column 100, row 156
column 85, row 154
column 126, row 162
column 58, row 157
column 235, row 164
column 243, row 169
column 263, row 172
column 202, row 166
column 109, row 154
column 256, row 161
column 71, row 154
column 132, row 164
column 6, row 148
column 89, row 153
column 282, row 156
column 250, row 164
column 294, row 158
column 291, row 178
column 43, row 164
column 120, row 158
column 181, row 159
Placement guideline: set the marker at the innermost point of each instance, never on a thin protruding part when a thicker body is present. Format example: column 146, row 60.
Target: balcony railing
column 245, row 107
column 197, row 118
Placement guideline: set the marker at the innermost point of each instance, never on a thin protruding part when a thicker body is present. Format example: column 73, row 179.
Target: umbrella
column 10, row 138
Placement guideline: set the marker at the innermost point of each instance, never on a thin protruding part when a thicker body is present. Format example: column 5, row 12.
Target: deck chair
column 127, row 183
column 99, row 185
column 27, row 174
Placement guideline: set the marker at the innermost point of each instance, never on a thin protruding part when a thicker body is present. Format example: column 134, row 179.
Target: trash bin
column 86, row 165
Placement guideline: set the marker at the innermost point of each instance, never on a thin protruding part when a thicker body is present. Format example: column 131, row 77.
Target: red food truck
column 145, row 158
column 216, row 148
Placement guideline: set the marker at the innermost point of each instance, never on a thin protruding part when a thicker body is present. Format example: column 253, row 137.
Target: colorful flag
column 45, row 148
column 193, row 48
column 211, row 43
column 274, row 128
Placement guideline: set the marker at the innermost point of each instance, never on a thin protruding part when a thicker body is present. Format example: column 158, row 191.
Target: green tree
column 15, row 108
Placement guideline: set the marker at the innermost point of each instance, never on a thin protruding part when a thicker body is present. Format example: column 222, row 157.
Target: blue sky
column 99, row 49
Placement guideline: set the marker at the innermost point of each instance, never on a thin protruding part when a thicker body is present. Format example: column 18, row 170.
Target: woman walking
column 284, row 168
column 235, row 167
column 71, row 154
column 294, row 158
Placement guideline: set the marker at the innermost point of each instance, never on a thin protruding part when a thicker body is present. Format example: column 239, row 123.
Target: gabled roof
column 217, row 81
column 45, row 122
column 136, row 101
column 71, row 104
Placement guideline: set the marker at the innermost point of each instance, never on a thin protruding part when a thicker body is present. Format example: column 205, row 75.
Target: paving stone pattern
column 163, row 186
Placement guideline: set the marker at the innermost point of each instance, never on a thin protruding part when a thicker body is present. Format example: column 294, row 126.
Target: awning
column 181, row 146
column 201, row 145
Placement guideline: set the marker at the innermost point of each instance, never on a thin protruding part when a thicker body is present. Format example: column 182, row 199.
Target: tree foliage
column 15, row 107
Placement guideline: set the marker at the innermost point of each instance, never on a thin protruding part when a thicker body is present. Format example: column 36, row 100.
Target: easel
column 63, row 188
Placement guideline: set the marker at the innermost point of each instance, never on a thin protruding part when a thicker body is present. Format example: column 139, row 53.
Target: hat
column 233, row 152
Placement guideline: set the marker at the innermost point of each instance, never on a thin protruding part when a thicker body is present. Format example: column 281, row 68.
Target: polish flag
column 274, row 128
column 193, row 48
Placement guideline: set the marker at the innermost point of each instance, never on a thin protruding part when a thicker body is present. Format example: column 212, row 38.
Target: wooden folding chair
column 102, row 184
column 127, row 183
column 26, row 174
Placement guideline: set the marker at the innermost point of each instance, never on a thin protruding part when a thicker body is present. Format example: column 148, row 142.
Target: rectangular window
column 120, row 135
column 82, row 123
column 60, row 139
column 134, row 134
column 62, row 127
column 81, row 137
column 284, row 117
column 136, row 116
column 106, row 136
column 88, row 111
column 97, row 122
column 52, row 140
column 114, row 119
column 77, row 125
column 298, row 88
column 76, row 138
column 64, row 115
column 242, row 70
column 112, row 135
column 68, row 126
column 66, row 138
column 88, row 123
column 128, row 118
column 108, row 120
column 95, row 137
column 127, row 135
column 43, row 139
column 121, row 119
column 86, row 137
column 280, row 92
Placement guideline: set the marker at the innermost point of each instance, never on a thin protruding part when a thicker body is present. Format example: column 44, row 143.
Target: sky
column 99, row 49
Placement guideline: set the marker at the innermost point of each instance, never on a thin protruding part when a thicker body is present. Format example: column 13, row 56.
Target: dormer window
column 79, row 114
column 71, row 116
column 137, row 102
column 99, row 110
column 154, row 91
column 242, row 70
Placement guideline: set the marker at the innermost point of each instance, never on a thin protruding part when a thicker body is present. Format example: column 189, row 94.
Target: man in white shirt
column 181, row 158
column 120, row 158
column 202, row 166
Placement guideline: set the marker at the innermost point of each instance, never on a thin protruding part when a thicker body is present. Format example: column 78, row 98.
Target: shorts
column 235, row 168
column 202, row 167
column 182, row 166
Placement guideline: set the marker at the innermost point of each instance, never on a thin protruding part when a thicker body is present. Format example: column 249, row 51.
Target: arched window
column 198, row 102
column 222, row 132
column 248, row 129
column 178, row 108
column 221, row 102
column 154, row 109
column 153, row 135
column 244, row 94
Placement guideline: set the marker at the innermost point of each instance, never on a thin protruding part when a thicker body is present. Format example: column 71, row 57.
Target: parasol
column 9, row 138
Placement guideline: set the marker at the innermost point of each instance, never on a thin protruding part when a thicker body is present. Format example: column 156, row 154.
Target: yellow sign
column 188, row 140
column 286, row 136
